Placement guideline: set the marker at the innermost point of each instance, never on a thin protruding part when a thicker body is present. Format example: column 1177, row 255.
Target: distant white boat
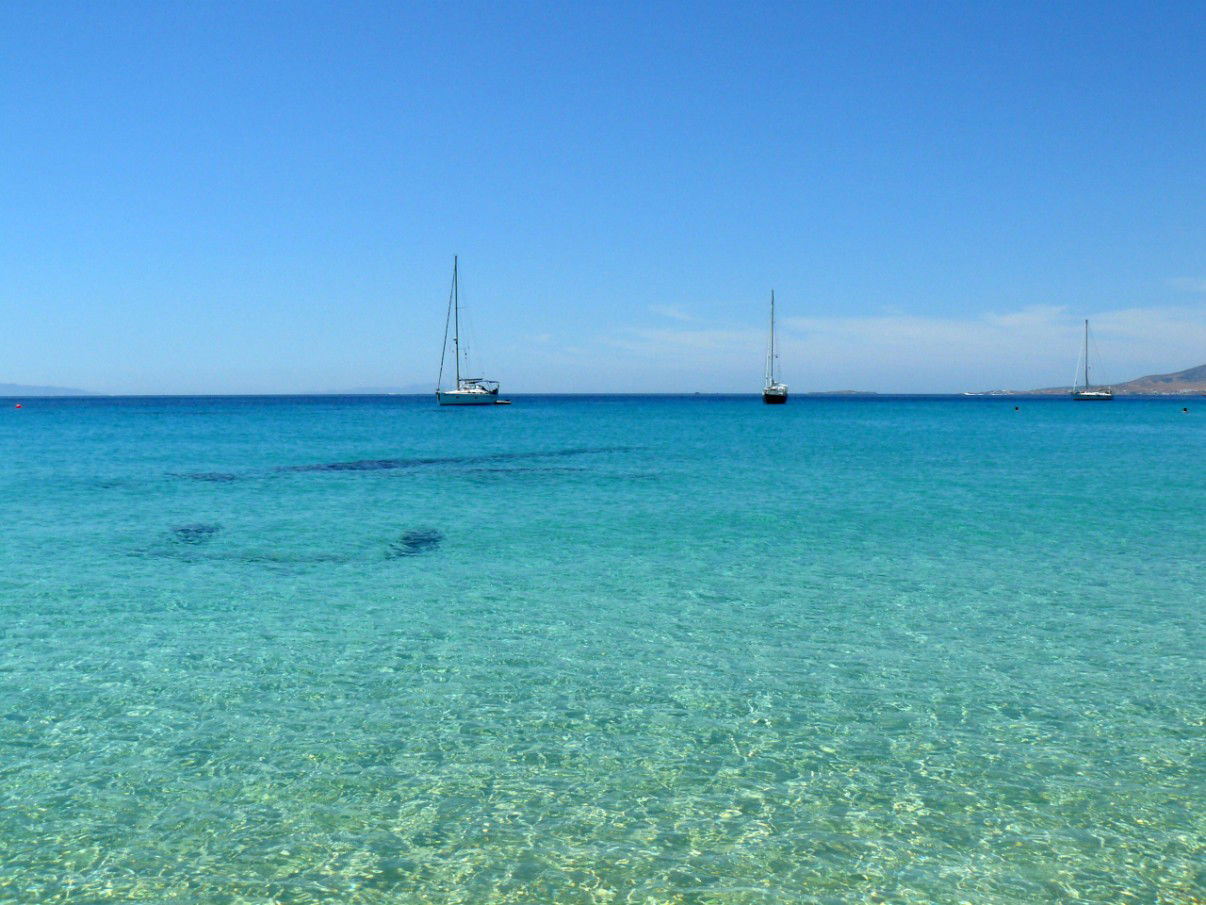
column 773, row 392
column 1086, row 392
column 466, row 390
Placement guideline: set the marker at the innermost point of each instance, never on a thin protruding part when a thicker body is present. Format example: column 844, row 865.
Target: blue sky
column 266, row 197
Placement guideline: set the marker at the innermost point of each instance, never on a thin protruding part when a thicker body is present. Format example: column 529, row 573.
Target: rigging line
column 1082, row 358
column 471, row 351
column 1096, row 350
column 447, row 319
column 471, row 358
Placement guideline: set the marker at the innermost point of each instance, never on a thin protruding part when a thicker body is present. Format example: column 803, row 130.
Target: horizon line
column 1046, row 393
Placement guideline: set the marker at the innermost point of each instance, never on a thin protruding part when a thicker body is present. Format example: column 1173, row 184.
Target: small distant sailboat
column 773, row 392
column 467, row 390
column 1086, row 392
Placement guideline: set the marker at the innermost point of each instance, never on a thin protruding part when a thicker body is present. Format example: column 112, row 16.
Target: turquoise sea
column 602, row 650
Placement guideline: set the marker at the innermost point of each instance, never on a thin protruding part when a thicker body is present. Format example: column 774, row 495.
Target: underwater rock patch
column 390, row 464
column 216, row 477
column 198, row 533
column 412, row 543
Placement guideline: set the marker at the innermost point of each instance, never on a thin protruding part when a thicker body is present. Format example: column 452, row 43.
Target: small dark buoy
column 1184, row 411
column 1015, row 408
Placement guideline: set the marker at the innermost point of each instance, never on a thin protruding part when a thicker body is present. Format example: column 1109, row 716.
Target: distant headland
column 21, row 389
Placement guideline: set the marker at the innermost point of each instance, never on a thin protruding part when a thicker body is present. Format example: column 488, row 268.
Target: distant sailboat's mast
column 456, row 324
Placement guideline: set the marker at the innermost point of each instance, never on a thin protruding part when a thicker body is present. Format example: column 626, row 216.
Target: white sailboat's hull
column 1092, row 395
column 466, row 397
column 466, row 390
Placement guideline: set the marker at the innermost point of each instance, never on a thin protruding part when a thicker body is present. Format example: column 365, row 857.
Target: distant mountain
column 1189, row 382
column 21, row 389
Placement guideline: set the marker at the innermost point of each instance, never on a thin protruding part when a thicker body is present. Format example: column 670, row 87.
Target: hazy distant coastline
column 1189, row 382
column 21, row 389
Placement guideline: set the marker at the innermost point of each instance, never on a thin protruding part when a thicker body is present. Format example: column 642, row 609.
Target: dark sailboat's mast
column 772, row 349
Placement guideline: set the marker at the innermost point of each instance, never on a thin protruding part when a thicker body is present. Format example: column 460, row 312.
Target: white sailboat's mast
column 456, row 331
column 1086, row 353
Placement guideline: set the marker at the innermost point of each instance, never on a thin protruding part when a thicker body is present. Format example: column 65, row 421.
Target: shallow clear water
column 602, row 650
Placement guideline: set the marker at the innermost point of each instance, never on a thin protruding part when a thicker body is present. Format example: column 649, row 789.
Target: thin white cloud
column 1027, row 348
column 674, row 312
column 646, row 340
column 1035, row 315
column 1023, row 349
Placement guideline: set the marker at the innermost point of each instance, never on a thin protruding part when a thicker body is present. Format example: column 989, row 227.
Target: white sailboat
column 466, row 390
column 773, row 392
column 1086, row 392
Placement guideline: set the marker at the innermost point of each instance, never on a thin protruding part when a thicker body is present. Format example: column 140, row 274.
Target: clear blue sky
column 266, row 197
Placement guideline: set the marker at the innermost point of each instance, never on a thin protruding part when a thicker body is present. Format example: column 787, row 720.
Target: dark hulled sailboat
column 773, row 392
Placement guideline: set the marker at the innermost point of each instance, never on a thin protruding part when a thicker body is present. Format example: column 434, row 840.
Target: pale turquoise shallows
column 602, row 650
